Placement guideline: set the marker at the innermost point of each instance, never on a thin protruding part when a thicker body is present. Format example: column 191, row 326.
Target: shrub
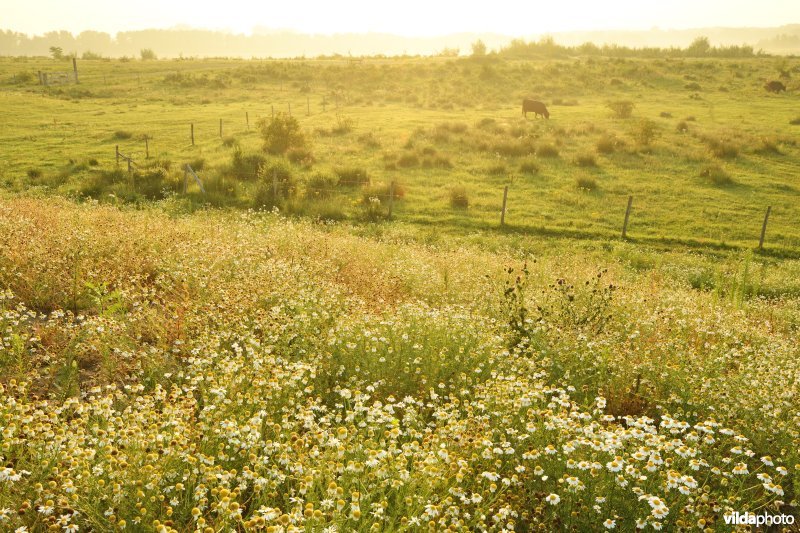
column 497, row 170
column 528, row 167
column 721, row 147
column 665, row 114
column 122, row 134
column 459, row 199
column 244, row 166
column 229, row 142
column 300, row 156
column 586, row 184
column 767, row 145
column 351, row 176
column 518, row 148
column 320, row 185
column 407, row 160
column 607, row 144
column 795, row 121
column 621, row 108
column 147, row 54
column 275, row 183
column 34, row 173
column 280, row 133
column 585, row 160
column 23, row 77
column 716, row 175
column 547, row 150
column 436, row 161
column 369, row 140
column 682, row 127
column 646, row 130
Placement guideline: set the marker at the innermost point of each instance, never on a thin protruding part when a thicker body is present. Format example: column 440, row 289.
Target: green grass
column 393, row 105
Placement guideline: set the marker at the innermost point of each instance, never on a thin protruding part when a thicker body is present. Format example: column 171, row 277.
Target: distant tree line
column 547, row 47
column 207, row 43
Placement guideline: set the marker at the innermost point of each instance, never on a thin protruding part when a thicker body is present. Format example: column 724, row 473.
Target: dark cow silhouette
column 537, row 108
column 775, row 87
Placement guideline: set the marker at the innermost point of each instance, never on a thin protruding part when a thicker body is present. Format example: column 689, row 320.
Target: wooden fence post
column 41, row 82
column 503, row 212
column 247, row 120
column 220, row 128
column 192, row 132
column 627, row 215
column 146, row 147
column 116, row 149
column 391, row 199
column 75, row 69
column 764, row 228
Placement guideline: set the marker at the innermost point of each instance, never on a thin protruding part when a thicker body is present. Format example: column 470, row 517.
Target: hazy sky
column 408, row 17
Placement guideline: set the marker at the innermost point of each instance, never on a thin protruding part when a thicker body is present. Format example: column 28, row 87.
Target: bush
column 497, row 170
column 646, row 130
column 547, row 150
column 768, row 146
column 407, row 160
column 682, row 127
column 23, row 77
column 320, row 185
column 607, row 144
column 795, row 121
column 147, row 54
column 352, row 176
column 721, row 147
column 34, row 173
column 275, row 183
column 585, row 160
column 280, row 133
column 716, row 175
column 528, row 167
column 621, row 108
column 122, row 134
column 586, row 184
column 518, row 148
column 230, row 142
column 665, row 114
column 459, row 199
column 694, row 86
column 369, row 140
column 300, row 156
column 244, row 166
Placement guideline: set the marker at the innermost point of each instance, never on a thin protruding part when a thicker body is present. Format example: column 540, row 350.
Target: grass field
column 243, row 360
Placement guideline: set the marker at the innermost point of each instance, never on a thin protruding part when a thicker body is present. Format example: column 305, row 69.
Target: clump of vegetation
column 459, row 198
column 621, row 108
column 768, row 146
column 585, row 160
column 721, row 147
column 320, row 185
column 122, row 135
column 230, row 141
column 646, row 130
column 352, row 176
column 276, row 183
column 682, row 127
column 407, row 160
column 280, row 133
column 497, row 169
column 607, row 144
column 300, row 156
column 243, row 166
column 716, row 175
column 586, row 183
column 547, row 150
column 369, row 140
column 528, row 166
column 665, row 114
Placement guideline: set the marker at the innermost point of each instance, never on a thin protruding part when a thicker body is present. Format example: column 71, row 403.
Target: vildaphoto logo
column 752, row 519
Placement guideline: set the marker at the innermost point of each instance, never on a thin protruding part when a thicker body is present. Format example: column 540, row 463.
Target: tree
column 147, row 53
column 699, row 47
column 281, row 133
column 57, row 52
column 478, row 48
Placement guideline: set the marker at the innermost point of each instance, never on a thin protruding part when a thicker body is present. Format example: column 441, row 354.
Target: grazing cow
column 775, row 87
column 537, row 108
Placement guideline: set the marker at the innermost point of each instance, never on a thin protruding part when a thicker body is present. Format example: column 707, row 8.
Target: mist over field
column 263, row 42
